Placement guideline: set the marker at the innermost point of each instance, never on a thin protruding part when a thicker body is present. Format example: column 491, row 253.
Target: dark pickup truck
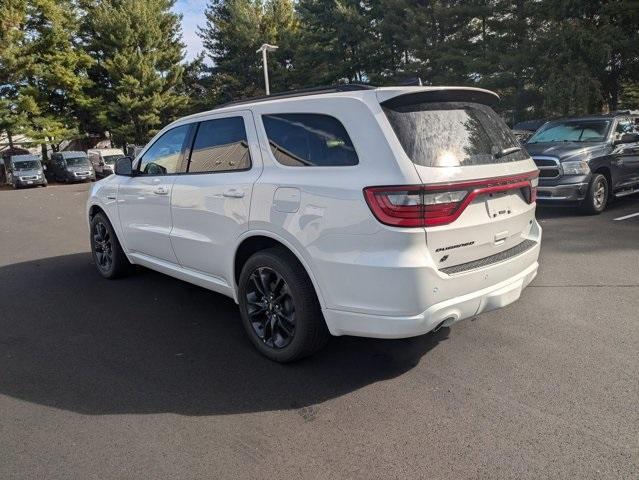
column 586, row 161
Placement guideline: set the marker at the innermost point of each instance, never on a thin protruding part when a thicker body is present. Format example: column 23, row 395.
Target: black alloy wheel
column 108, row 255
column 279, row 307
column 102, row 246
column 270, row 307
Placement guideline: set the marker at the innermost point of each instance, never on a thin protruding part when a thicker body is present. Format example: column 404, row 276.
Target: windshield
column 77, row 162
column 572, row 131
column 110, row 159
column 451, row 134
column 26, row 165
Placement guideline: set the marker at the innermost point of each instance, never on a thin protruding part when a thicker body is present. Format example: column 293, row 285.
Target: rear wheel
column 279, row 308
column 597, row 195
column 108, row 255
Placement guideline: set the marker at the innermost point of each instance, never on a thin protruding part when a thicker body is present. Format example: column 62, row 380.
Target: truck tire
column 597, row 195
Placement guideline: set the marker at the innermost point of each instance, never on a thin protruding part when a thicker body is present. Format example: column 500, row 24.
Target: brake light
column 440, row 204
column 534, row 183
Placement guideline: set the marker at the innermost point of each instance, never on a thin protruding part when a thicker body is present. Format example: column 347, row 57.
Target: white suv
column 378, row 212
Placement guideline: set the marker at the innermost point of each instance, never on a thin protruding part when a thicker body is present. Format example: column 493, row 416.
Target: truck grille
column 492, row 259
column 548, row 167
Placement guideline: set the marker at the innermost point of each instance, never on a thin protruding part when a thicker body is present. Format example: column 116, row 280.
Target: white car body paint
column 371, row 279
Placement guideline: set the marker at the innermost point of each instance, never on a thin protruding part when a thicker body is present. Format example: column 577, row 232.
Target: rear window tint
column 305, row 139
column 452, row 134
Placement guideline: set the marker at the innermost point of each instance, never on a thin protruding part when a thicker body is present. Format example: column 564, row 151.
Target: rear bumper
column 448, row 312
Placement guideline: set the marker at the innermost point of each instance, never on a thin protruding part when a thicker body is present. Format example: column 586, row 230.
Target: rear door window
column 309, row 140
column 220, row 146
column 453, row 134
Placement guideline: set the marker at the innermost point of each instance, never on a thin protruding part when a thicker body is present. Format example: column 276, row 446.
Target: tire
column 288, row 324
column 597, row 196
column 109, row 258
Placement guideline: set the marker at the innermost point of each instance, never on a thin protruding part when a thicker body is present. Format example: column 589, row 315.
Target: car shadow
column 149, row 344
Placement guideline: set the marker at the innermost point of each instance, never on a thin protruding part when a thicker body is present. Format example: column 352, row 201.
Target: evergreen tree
column 234, row 30
column 55, row 71
column 509, row 55
column 629, row 97
column 12, row 20
column 47, row 70
column 136, row 78
column 336, row 43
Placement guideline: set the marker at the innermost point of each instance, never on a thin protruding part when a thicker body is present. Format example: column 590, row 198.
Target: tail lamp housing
column 440, row 204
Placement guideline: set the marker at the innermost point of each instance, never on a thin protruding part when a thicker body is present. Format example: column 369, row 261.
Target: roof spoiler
column 474, row 95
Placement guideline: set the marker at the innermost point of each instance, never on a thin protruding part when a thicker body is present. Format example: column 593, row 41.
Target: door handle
column 161, row 191
column 233, row 193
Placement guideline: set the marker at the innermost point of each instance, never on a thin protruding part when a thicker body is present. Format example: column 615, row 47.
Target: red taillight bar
column 431, row 215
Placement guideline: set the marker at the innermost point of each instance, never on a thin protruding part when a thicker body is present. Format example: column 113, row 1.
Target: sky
column 192, row 16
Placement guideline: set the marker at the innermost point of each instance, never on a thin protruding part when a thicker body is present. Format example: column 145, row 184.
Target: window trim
column 192, row 144
column 281, row 165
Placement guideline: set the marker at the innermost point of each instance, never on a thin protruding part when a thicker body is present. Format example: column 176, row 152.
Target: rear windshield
column 452, row 134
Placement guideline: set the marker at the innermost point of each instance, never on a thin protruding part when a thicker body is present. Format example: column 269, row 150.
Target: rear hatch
column 477, row 198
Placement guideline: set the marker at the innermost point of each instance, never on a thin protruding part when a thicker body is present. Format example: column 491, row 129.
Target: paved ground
column 149, row 377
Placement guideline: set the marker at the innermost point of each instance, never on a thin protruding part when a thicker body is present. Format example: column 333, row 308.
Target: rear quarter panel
column 332, row 227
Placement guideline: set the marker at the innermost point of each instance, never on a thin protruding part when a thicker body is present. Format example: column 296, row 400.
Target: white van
column 103, row 160
column 379, row 212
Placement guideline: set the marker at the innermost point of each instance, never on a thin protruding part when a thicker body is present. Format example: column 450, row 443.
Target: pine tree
column 51, row 71
column 138, row 52
column 234, row 30
column 629, row 97
column 336, row 43
column 12, row 19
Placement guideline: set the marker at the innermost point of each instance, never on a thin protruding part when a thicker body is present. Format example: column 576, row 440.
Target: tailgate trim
column 490, row 260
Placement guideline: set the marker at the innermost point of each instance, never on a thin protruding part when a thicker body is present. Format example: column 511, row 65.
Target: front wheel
column 279, row 308
column 597, row 195
column 108, row 255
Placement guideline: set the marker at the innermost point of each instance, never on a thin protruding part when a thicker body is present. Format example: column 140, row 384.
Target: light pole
column 266, row 48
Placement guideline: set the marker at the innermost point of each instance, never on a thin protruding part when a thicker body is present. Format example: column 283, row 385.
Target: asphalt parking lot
column 150, row 377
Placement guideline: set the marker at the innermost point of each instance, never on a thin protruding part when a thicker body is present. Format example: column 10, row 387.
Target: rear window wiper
column 507, row 151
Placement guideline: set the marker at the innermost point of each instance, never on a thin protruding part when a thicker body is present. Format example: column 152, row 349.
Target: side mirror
column 628, row 138
column 124, row 166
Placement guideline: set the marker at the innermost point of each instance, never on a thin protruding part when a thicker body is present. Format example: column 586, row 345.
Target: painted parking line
column 625, row 217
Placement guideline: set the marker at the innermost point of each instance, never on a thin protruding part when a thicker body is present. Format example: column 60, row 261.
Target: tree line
column 74, row 67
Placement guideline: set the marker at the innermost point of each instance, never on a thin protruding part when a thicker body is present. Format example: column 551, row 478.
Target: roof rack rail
column 347, row 87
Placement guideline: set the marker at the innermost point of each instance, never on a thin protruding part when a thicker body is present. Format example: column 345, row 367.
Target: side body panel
column 210, row 211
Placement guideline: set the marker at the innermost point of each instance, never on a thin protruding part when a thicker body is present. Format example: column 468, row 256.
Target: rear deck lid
column 477, row 196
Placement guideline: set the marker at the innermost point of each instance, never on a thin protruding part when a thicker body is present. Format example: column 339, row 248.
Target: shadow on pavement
column 149, row 343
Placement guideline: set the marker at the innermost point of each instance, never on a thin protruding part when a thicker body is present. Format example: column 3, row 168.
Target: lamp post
column 266, row 48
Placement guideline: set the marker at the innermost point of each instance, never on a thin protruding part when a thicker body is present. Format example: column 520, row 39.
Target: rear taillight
column 439, row 204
